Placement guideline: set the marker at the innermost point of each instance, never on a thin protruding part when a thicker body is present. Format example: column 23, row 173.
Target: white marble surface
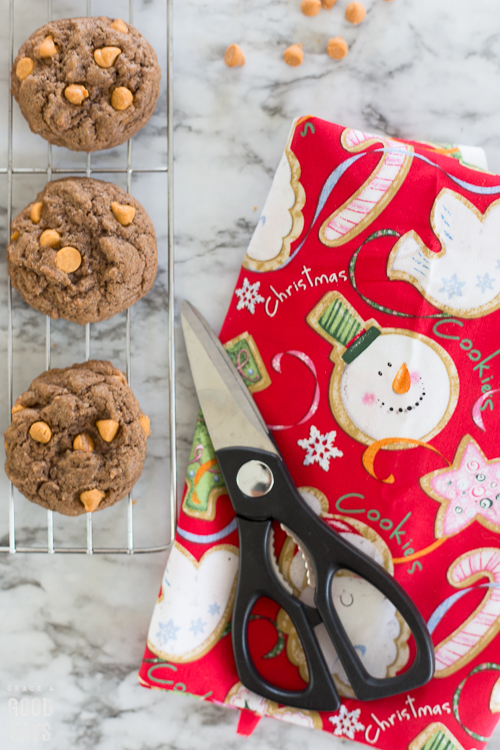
column 73, row 627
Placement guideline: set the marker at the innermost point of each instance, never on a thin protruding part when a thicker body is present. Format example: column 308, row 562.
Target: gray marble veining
column 73, row 628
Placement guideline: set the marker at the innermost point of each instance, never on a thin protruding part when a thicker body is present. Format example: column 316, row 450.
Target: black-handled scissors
column 261, row 490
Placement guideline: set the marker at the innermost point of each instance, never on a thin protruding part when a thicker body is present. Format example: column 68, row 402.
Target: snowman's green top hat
column 339, row 323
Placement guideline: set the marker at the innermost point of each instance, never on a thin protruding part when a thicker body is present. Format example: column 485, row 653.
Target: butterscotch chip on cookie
column 56, row 455
column 86, row 83
column 84, row 250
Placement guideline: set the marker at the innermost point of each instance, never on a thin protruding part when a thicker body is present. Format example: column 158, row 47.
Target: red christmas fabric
column 365, row 323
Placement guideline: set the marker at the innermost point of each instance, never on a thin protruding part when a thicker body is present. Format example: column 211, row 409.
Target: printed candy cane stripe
column 378, row 190
column 467, row 641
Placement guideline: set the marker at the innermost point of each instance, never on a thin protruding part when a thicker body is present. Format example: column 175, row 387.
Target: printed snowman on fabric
column 387, row 382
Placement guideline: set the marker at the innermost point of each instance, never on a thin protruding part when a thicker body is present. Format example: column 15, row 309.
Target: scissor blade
column 230, row 413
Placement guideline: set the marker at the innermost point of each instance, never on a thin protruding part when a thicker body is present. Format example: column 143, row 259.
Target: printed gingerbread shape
column 381, row 638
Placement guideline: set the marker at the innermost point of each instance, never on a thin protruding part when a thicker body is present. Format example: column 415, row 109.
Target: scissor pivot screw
column 255, row 479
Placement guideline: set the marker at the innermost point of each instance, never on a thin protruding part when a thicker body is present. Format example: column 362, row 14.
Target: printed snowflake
column 249, row 296
column 498, row 264
column 197, row 626
column 452, row 286
column 484, row 283
column 213, row 609
column 346, row 723
column 320, row 448
column 167, row 632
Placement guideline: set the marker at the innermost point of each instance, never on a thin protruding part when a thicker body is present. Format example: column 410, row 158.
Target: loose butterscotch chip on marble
column 121, row 98
column 234, row 57
column 14, row 235
column 50, row 238
column 36, row 212
column 24, row 68
column 293, row 55
column 337, row 48
column 120, row 25
column 16, row 408
column 355, row 13
column 123, row 214
column 146, row 424
column 40, row 432
column 328, row 4
column 75, row 93
column 106, row 56
column 91, row 499
column 68, row 259
column 83, row 442
column 310, row 7
column 108, row 429
column 47, row 47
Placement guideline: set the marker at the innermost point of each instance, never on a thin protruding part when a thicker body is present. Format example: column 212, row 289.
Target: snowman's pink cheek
column 369, row 399
column 415, row 377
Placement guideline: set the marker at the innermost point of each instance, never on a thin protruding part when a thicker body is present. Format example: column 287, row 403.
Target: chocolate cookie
column 84, row 250
column 77, row 441
column 86, row 83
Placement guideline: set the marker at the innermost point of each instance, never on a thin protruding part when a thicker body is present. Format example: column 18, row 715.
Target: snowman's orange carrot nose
column 402, row 381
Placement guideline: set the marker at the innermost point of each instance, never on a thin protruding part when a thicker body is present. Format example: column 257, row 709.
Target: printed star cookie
column 469, row 490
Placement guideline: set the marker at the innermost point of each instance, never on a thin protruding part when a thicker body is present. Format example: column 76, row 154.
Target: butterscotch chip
column 68, row 259
column 310, row 7
column 50, row 238
column 121, row 98
column 337, row 48
column 234, row 57
column 47, row 47
column 70, row 400
column 146, row 424
column 36, row 212
column 24, row 68
column 122, row 213
column 355, row 13
column 293, row 55
column 16, row 408
column 41, row 432
column 106, row 56
column 328, row 4
column 75, row 93
column 91, row 499
column 14, row 235
column 84, row 443
column 116, row 263
column 89, row 60
column 120, row 25
column 108, row 429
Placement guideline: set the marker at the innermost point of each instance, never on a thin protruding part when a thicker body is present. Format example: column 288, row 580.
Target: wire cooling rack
column 157, row 511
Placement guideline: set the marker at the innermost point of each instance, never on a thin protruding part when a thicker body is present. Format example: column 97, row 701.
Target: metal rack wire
column 88, row 170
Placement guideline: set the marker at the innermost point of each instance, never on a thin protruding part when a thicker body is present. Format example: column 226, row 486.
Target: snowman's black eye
column 389, row 364
column 380, row 373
